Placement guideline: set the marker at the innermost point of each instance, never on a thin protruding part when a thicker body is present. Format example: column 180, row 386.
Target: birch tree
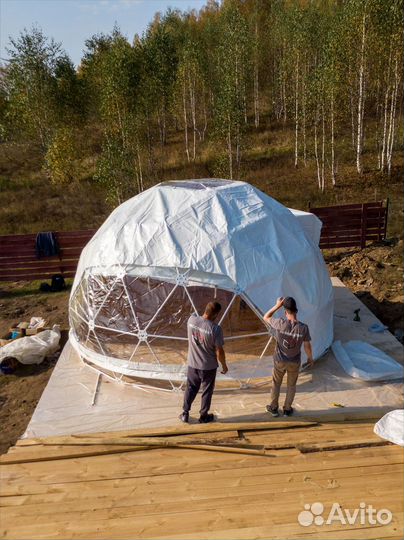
column 231, row 63
column 31, row 83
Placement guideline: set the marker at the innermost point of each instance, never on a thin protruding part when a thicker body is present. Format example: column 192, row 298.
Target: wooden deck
column 236, row 481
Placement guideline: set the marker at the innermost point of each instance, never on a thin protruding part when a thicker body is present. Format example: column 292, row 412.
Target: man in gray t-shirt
column 290, row 334
column 205, row 349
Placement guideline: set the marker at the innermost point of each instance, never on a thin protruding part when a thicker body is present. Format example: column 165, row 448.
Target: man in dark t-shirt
column 290, row 334
column 205, row 349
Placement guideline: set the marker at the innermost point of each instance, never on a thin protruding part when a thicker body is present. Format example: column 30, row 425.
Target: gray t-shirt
column 289, row 338
column 203, row 338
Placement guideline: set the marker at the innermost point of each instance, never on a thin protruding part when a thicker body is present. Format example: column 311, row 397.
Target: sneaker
column 288, row 412
column 274, row 412
column 206, row 418
column 184, row 417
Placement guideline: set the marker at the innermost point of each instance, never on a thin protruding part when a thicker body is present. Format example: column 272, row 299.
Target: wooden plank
column 330, row 245
column 64, row 452
column 337, row 434
column 326, row 475
column 22, row 251
column 373, row 204
column 164, row 501
column 213, row 435
column 347, row 209
column 350, row 215
column 341, row 224
column 161, row 486
column 24, row 478
column 51, row 477
column 197, row 517
column 10, row 238
column 282, row 531
column 62, row 235
column 216, row 427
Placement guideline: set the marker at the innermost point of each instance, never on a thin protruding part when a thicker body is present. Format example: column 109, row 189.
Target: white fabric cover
column 33, row 349
column 366, row 362
column 310, row 223
column 391, row 427
column 221, row 233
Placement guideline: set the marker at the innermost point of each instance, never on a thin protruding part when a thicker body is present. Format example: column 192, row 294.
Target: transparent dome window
column 141, row 322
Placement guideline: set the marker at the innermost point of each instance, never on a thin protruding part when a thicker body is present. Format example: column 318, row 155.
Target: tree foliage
column 331, row 70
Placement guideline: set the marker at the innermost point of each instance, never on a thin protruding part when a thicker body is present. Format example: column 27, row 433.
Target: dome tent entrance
column 165, row 253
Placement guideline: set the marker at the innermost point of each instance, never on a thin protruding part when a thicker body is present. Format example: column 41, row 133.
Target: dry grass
column 30, row 203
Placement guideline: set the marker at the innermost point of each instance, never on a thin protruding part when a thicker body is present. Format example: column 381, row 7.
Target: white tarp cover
column 310, row 223
column 391, row 427
column 212, row 233
column 364, row 361
column 32, row 349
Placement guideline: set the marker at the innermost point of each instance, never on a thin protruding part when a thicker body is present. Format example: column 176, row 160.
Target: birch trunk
column 184, row 103
column 390, row 145
column 256, row 82
column 229, row 149
column 316, row 151
column 333, row 178
column 359, row 140
column 193, row 113
column 386, row 126
column 297, row 111
column 304, row 118
column 139, row 160
column 353, row 120
column 323, row 150
column 205, row 119
column 384, row 139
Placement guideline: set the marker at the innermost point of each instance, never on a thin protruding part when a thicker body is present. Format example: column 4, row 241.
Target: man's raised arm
column 274, row 309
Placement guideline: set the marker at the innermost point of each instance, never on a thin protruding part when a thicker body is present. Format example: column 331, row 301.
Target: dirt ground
column 373, row 274
column 20, row 392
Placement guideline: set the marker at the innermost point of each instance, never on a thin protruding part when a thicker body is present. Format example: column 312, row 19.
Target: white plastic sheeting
column 32, row 349
column 162, row 254
column 391, row 427
column 366, row 362
column 74, row 402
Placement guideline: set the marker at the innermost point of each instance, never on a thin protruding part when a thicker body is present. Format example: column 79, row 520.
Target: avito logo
column 365, row 514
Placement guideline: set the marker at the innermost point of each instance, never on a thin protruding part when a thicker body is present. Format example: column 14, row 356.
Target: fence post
column 363, row 226
column 385, row 219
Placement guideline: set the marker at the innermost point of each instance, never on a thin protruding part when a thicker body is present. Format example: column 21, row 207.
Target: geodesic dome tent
column 165, row 253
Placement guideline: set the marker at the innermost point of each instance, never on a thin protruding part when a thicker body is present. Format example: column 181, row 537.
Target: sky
column 71, row 22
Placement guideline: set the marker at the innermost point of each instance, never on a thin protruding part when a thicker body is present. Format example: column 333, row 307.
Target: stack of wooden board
column 216, row 481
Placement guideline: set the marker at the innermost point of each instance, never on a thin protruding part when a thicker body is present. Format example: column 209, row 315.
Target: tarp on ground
column 366, row 362
column 391, row 427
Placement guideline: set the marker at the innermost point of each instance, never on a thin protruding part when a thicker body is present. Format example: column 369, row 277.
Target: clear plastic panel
column 144, row 320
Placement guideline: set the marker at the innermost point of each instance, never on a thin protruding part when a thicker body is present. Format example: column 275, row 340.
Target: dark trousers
column 197, row 378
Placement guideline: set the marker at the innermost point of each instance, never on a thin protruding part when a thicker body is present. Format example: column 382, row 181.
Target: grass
column 31, row 288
